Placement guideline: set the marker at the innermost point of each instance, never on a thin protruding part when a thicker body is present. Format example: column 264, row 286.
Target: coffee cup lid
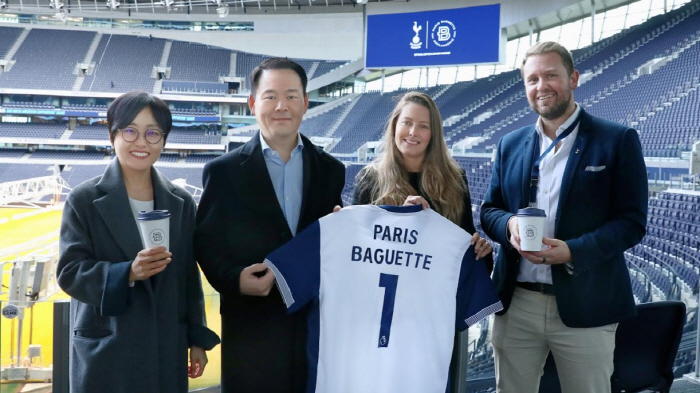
column 531, row 212
column 153, row 215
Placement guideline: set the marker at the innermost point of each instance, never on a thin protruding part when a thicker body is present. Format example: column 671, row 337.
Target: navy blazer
column 602, row 212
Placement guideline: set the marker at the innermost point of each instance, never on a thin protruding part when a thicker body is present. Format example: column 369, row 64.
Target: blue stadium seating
column 76, row 174
column 188, row 110
column 182, row 135
column 169, row 157
column 365, row 122
column 47, row 59
column 325, row 67
column 192, row 176
column 31, row 130
column 14, row 172
column 12, row 153
column 198, row 63
column 8, row 36
column 85, row 107
column 96, row 132
column 246, row 62
column 194, row 88
column 200, row 158
column 124, row 63
column 320, row 124
column 66, row 155
column 28, row 104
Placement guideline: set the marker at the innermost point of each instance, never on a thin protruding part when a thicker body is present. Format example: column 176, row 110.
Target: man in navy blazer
column 593, row 188
column 255, row 199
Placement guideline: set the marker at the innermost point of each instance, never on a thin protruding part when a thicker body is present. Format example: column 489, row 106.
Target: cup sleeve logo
column 530, row 232
column 156, row 236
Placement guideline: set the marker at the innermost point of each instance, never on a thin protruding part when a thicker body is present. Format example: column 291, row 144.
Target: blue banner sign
column 434, row 38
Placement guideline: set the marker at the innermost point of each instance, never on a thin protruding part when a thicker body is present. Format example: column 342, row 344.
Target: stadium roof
column 564, row 15
column 175, row 8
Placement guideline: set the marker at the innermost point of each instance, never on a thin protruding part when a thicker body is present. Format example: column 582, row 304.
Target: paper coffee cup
column 155, row 228
column 531, row 227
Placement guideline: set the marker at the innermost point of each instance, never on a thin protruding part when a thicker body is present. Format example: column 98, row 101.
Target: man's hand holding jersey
column 256, row 280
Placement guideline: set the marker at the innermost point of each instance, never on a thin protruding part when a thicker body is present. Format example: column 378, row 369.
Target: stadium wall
column 323, row 35
column 512, row 11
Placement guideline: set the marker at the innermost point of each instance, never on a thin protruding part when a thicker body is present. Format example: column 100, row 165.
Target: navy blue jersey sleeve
column 297, row 267
column 476, row 295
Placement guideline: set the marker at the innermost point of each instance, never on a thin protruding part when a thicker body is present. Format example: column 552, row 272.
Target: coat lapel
column 528, row 161
column 310, row 172
column 255, row 180
column 164, row 199
column 112, row 207
column 573, row 162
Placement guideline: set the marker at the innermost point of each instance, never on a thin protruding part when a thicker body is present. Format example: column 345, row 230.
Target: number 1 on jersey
column 388, row 282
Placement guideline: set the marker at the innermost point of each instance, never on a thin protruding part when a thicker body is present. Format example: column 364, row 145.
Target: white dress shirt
column 552, row 169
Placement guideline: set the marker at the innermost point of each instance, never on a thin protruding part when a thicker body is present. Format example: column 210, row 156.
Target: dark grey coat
column 129, row 339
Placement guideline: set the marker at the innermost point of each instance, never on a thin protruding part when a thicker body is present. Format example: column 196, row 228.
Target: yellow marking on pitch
column 25, row 225
column 22, row 225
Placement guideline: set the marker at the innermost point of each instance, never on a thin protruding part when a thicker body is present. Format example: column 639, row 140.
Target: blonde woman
column 415, row 168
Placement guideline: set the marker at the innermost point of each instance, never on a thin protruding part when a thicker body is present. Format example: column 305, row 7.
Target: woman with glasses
column 135, row 311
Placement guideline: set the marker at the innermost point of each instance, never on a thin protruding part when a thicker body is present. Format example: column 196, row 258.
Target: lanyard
column 535, row 173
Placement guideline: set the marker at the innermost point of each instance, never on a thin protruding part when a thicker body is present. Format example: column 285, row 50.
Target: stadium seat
column 645, row 349
column 646, row 346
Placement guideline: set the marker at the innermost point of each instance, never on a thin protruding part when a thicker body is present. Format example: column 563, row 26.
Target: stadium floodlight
column 361, row 1
column 168, row 4
column 61, row 15
column 113, row 4
column 222, row 10
column 56, row 4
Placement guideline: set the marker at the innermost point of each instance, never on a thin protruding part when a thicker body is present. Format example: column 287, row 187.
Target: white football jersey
column 388, row 287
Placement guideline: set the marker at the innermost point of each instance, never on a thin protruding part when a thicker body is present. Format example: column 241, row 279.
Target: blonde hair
column 441, row 181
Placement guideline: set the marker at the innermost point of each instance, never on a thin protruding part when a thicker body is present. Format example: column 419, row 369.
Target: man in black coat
column 255, row 199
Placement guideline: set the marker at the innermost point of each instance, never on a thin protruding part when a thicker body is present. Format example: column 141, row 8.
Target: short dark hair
column 277, row 63
column 544, row 47
column 126, row 107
